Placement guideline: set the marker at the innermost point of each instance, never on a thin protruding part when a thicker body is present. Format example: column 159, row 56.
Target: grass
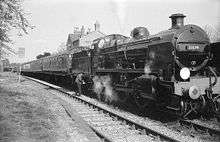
column 22, row 121
column 29, row 113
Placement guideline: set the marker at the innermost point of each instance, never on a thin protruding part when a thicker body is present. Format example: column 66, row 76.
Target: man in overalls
column 79, row 81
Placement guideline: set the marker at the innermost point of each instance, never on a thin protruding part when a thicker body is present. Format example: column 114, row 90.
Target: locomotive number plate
column 193, row 47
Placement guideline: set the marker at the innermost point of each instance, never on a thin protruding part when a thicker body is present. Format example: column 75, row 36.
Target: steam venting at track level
column 102, row 87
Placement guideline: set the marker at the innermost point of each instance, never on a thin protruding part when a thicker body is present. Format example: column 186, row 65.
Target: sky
column 55, row 19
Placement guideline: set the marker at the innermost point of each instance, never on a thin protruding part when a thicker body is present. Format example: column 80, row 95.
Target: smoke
column 102, row 87
column 147, row 68
column 109, row 94
column 149, row 62
column 120, row 9
column 98, row 86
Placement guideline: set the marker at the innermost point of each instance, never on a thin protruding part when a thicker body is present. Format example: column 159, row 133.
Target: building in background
column 83, row 39
column 6, row 64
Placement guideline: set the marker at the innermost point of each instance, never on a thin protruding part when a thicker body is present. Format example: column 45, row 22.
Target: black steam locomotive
column 170, row 69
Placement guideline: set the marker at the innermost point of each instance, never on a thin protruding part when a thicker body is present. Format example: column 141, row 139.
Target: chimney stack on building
column 76, row 30
column 82, row 31
column 88, row 31
column 97, row 26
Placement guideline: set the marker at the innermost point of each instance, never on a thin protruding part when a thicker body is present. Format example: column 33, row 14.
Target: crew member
column 79, row 81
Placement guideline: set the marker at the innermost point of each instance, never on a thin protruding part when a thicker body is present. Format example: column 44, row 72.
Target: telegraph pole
column 1, row 64
column 21, row 54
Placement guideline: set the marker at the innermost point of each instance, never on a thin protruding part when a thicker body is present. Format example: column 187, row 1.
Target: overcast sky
column 55, row 19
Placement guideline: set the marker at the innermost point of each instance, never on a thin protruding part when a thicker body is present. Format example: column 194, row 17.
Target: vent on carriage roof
column 177, row 20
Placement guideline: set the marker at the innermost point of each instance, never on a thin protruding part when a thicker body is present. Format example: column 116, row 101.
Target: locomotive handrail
column 192, row 68
column 215, row 75
column 198, row 42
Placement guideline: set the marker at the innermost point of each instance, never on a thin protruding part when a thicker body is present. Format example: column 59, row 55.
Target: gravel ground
column 28, row 113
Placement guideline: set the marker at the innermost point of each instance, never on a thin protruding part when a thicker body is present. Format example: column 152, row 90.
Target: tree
column 61, row 49
column 44, row 55
column 213, row 33
column 6, row 63
column 11, row 17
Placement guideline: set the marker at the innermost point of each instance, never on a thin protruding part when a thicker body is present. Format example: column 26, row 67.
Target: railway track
column 211, row 127
column 200, row 131
column 204, row 129
column 116, row 125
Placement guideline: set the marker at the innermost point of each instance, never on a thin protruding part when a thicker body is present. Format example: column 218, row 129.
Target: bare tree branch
column 7, row 48
column 12, row 17
column 213, row 33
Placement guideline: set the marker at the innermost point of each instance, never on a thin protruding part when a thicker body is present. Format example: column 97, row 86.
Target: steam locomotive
column 171, row 69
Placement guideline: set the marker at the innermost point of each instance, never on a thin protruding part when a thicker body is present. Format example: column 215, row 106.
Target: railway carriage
column 31, row 68
column 81, row 62
column 56, row 64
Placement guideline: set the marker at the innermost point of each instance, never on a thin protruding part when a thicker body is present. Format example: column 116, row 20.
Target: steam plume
column 102, row 87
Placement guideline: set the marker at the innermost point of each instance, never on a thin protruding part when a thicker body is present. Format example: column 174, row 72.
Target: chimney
column 177, row 20
column 76, row 30
column 97, row 26
column 82, row 31
column 88, row 31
